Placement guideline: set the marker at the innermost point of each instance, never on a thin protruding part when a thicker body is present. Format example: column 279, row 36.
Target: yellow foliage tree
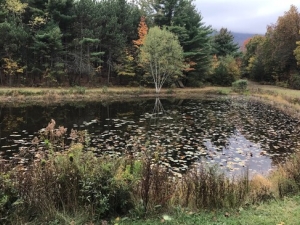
column 297, row 52
column 16, row 6
column 10, row 68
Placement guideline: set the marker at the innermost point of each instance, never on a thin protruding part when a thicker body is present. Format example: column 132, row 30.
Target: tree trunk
column 109, row 66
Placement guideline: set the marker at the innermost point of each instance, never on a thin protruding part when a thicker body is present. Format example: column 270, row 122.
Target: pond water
column 232, row 133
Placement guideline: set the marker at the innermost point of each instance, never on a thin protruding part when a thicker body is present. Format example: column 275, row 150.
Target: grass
column 50, row 95
column 285, row 211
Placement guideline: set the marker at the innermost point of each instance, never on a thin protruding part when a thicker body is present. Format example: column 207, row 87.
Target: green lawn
column 286, row 211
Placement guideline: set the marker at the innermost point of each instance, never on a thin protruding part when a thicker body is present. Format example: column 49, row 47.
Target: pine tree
column 223, row 44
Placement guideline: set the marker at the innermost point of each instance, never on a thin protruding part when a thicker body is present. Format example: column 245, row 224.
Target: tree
column 48, row 50
column 119, row 21
column 252, row 47
column 162, row 56
column 225, row 70
column 181, row 18
column 13, row 37
column 85, row 41
column 223, row 44
column 297, row 52
column 283, row 37
column 142, row 31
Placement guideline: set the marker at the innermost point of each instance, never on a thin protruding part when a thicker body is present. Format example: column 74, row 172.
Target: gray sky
column 250, row 16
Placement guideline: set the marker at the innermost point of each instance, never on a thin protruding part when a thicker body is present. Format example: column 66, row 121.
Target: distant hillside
column 241, row 37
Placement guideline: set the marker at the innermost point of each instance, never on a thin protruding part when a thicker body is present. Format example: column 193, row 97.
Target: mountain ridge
column 239, row 38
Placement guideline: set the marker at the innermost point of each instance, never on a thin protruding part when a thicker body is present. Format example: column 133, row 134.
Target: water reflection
column 158, row 110
column 233, row 134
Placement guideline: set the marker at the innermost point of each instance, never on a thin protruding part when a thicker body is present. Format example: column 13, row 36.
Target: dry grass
column 54, row 95
column 284, row 99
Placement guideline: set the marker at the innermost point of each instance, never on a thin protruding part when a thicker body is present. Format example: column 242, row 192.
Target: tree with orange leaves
column 143, row 31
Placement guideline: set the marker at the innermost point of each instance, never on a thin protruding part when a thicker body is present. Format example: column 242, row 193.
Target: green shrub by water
column 240, row 86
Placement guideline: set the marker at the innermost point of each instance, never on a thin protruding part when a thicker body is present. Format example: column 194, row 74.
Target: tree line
column 275, row 57
column 90, row 42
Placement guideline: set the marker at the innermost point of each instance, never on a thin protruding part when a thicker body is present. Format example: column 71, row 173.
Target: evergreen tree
column 182, row 18
column 12, row 40
column 119, row 20
column 223, row 44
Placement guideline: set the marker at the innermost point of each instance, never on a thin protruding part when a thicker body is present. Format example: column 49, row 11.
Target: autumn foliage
column 142, row 30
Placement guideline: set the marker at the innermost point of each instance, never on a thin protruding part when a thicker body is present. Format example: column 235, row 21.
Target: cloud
column 243, row 16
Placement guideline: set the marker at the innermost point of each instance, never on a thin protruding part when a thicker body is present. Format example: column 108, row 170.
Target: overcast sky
column 250, row 16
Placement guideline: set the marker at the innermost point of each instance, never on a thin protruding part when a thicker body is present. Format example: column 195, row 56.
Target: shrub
column 225, row 71
column 240, row 85
column 133, row 84
column 295, row 81
column 283, row 84
column 77, row 90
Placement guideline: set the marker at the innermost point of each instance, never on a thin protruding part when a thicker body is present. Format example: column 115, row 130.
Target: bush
column 295, row 81
column 78, row 90
column 240, row 85
column 193, row 81
column 283, row 84
column 225, row 71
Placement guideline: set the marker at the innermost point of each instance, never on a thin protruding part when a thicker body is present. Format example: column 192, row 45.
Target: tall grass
column 69, row 182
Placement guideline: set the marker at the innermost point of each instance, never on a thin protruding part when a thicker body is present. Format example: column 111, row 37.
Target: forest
column 94, row 43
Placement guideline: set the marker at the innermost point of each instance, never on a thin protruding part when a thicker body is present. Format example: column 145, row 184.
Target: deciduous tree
column 162, row 56
column 283, row 37
column 142, row 31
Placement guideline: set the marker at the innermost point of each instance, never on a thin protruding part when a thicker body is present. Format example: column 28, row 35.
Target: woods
column 94, row 43
column 271, row 58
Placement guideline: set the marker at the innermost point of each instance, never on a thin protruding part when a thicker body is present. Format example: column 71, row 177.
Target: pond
column 232, row 133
